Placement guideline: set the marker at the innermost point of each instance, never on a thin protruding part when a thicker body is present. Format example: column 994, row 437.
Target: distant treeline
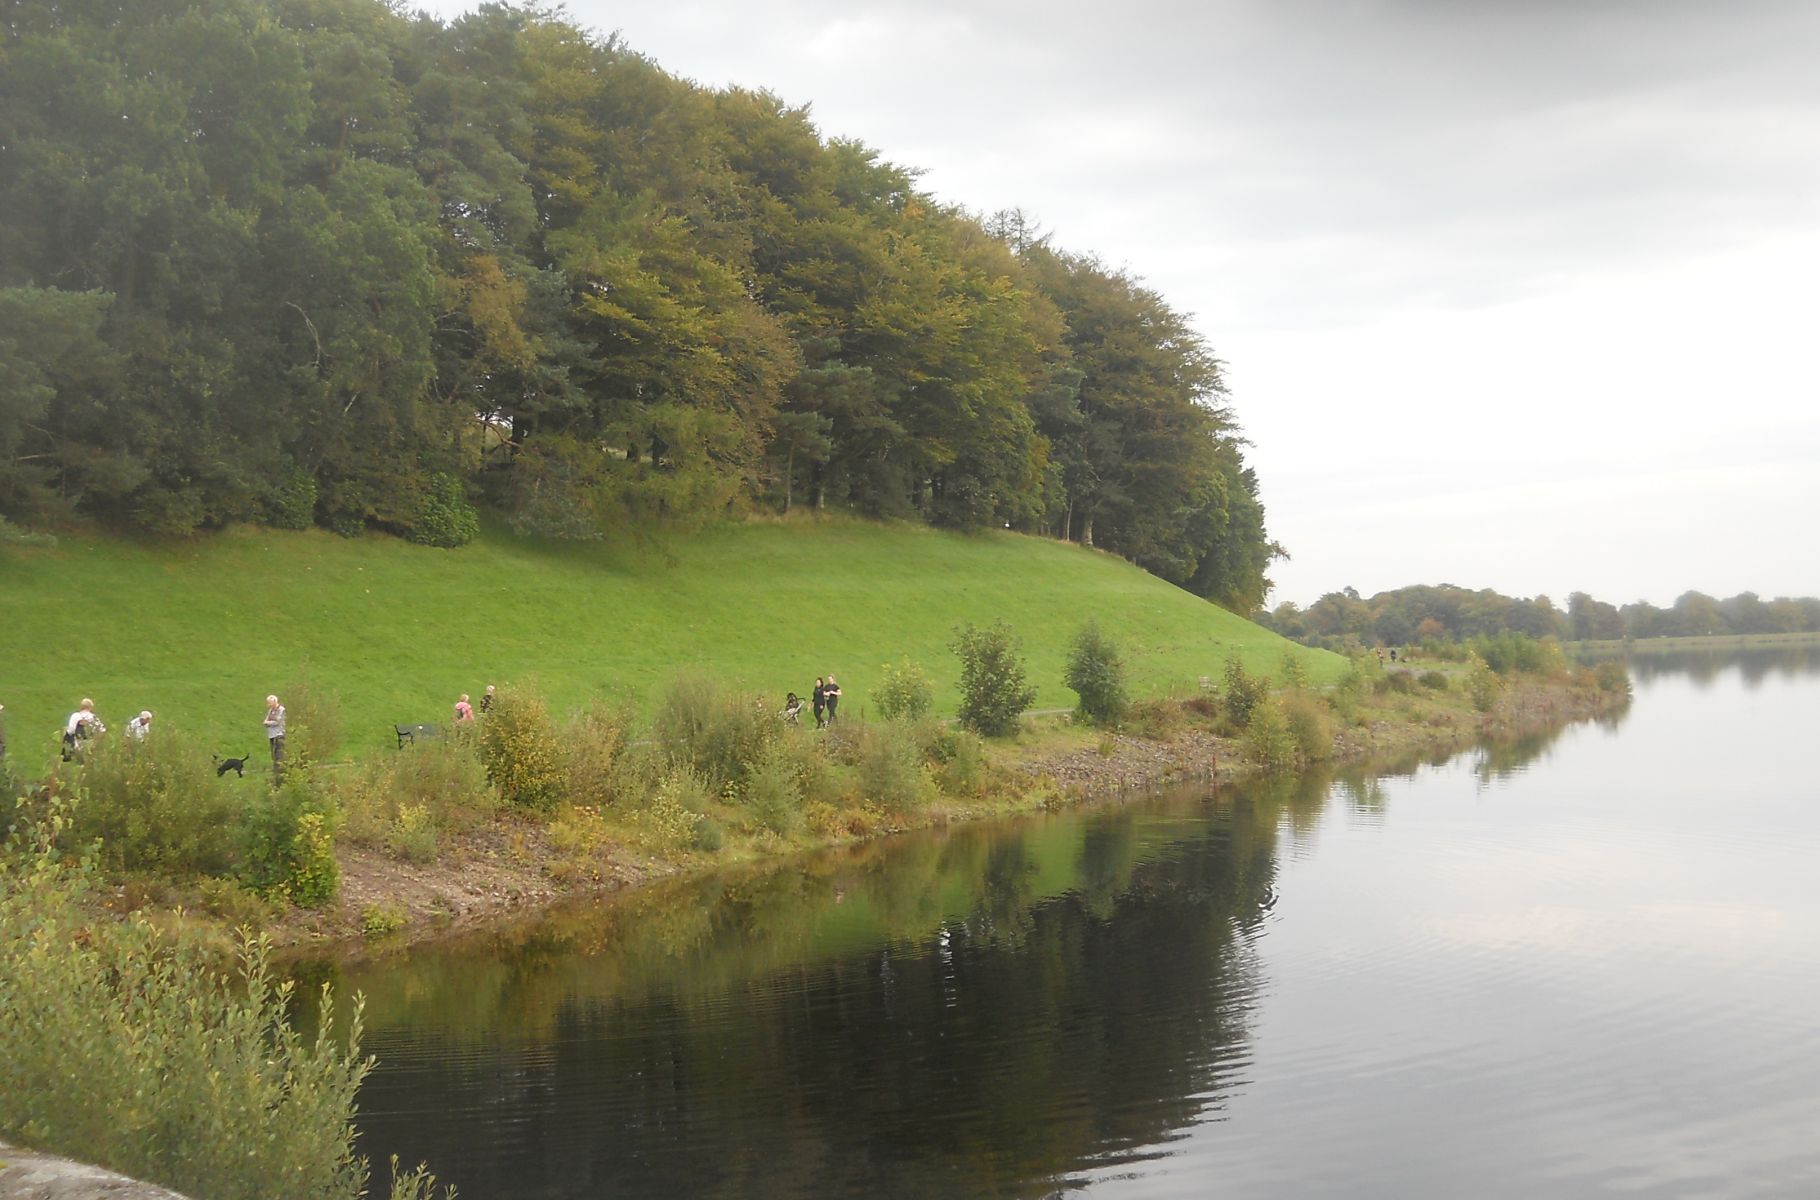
column 330, row 262
column 1448, row 613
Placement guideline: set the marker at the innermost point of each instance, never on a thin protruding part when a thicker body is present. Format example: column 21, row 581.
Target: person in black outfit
column 819, row 698
column 831, row 694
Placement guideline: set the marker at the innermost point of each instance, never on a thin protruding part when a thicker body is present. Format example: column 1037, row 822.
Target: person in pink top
column 464, row 712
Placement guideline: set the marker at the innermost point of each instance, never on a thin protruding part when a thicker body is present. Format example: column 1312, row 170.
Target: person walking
column 82, row 725
column 274, row 734
column 464, row 712
column 832, row 695
column 486, row 699
column 139, row 726
column 819, row 699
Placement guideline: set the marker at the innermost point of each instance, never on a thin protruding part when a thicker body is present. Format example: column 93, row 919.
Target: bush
column 993, row 691
column 1309, row 727
column 904, row 692
column 1243, row 692
column 293, row 504
column 1434, row 681
column 1096, row 673
column 1483, row 685
column 1612, row 677
column 1295, row 674
column 445, row 518
column 593, row 744
column 957, row 756
column 290, row 845
column 413, row 834
column 715, row 733
column 133, row 1051
column 1510, row 652
column 1268, row 738
column 890, row 768
column 518, row 743
column 668, row 819
column 1158, row 719
column 155, row 805
column 774, row 793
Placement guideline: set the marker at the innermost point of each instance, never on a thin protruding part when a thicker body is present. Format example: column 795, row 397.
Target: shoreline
column 499, row 874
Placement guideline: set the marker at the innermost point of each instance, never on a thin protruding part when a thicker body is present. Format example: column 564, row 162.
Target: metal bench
column 408, row 734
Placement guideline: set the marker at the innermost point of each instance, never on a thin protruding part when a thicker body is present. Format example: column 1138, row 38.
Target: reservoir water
column 1582, row 965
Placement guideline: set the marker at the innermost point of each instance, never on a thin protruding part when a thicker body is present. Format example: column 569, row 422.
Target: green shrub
column 519, row 746
column 289, row 845
column 135, row 1052
column 593, row 743
column 1612, row 677
column 708, row 835
column 774, row 793
column 1096, row 673
column 957, row 756
column 1362, row 674
column 1483, row 685
column 1309, row 727
column 1295, row 674
column 1402, row 683
column 994, row 694
column 904, row 692
column 445, row 518
column 668, row 818
column 1158, row 719
column 1434, row 681
column 293, row 504
column 382, row 920
column 890, row 768
column 413, row 834
column 1268, row 738
column 1510, row 652
column 155, row 805
column 1243, row 692
column 716, row 733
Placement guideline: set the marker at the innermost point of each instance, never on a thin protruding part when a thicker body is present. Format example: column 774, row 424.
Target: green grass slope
column 200, row 631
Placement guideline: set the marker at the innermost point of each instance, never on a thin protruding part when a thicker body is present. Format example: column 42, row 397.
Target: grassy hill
column 200, row 631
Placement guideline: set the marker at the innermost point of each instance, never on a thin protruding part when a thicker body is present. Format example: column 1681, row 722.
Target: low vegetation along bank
column 124, row 1042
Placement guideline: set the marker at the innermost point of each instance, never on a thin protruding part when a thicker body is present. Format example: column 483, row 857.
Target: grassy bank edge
column 1054, row 763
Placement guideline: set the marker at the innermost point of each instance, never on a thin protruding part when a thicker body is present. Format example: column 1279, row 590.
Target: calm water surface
column 1577, row 966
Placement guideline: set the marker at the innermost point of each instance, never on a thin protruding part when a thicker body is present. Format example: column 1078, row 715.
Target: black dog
column 236, row 765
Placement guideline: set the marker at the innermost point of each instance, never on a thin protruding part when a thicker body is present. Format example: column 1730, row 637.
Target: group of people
column 85, row 724
column 464, row 712
column 825, row 700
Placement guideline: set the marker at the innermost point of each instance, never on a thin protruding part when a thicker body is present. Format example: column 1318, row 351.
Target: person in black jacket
column 819, row 699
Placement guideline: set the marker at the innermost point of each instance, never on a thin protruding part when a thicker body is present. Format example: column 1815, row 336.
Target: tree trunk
column 1087, row 532
column 789, row 477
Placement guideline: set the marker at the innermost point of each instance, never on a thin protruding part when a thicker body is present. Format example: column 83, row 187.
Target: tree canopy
column 305, row 261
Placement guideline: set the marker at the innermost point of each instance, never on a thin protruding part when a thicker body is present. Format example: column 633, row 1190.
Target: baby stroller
column 793, row 708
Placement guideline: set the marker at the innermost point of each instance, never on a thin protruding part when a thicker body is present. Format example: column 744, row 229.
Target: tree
column 1096, row 673
column 993, row 692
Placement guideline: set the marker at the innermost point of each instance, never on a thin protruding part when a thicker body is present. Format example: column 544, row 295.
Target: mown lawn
column 200, row 631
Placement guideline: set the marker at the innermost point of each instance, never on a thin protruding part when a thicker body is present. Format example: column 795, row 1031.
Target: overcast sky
column 1519, row 294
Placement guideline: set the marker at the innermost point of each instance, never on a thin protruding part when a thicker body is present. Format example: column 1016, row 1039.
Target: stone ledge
column 29, row 1175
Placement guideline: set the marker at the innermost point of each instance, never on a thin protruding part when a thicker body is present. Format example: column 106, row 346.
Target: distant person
column 832, row 695
column 486, row 699
column 464, row 712
column 819, row 700
column 1393, row 654
column 2, row 732
column 139, row 726
column 82, row 725
column 274, row 734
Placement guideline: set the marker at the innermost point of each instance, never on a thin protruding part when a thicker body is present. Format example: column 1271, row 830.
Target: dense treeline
column 327, row 262
column 1421, row 614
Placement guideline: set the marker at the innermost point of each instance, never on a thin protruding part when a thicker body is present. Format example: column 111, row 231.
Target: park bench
column 408, row 734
